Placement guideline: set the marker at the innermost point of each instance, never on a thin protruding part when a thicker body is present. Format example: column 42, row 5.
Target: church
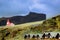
column 8, row 23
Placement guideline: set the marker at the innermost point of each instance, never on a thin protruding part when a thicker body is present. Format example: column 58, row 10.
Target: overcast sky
column 23, row 7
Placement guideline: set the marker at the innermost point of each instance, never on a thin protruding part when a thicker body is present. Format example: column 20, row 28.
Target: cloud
column 42, row 8
column 13, row 7
column 23, row 7
column 55, row 2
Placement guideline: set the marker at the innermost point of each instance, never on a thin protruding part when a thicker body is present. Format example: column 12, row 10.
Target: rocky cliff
column 31, row 17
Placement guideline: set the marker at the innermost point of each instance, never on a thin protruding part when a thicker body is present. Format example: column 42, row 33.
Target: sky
column 10, row 8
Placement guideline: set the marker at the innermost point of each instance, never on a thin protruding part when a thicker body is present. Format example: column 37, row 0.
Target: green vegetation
column 18, row 31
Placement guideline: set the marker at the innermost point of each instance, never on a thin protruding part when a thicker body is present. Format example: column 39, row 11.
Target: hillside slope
column 31, row 17
column 17, row 32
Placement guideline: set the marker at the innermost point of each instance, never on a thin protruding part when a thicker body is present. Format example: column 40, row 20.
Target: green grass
column 17, row 32
column 20, row 29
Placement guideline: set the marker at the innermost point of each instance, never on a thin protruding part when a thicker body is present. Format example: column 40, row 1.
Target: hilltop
column 31, row 17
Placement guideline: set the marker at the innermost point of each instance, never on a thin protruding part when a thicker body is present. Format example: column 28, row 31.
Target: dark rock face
column 3, row 22
column 31, row 17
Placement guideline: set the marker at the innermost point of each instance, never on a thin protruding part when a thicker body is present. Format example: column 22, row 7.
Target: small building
column 8, row 23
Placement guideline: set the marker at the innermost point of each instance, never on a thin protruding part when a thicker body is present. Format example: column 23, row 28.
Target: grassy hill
column 17, row 32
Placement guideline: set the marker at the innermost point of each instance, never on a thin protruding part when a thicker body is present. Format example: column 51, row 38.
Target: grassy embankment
column 17, row 32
